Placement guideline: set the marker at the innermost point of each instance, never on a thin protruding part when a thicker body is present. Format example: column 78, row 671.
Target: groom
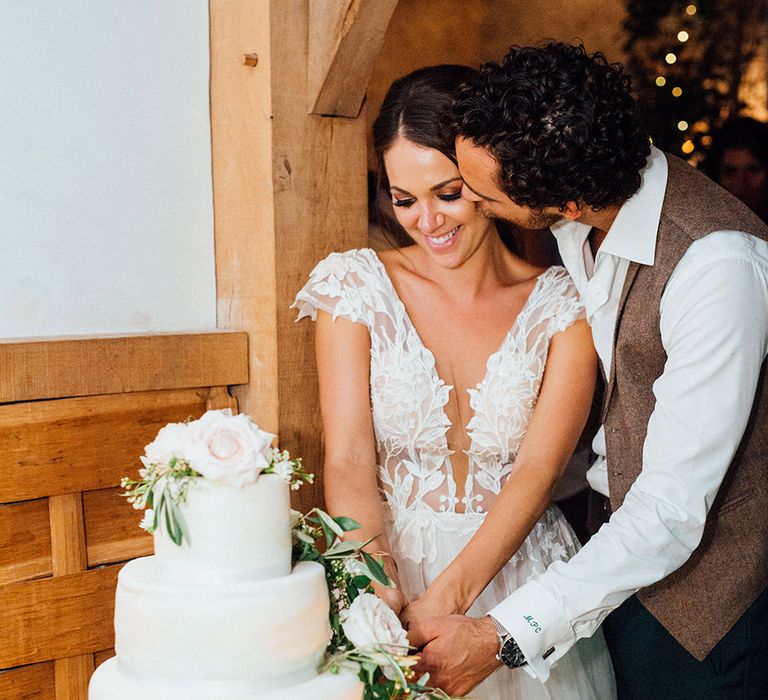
column 673, row 273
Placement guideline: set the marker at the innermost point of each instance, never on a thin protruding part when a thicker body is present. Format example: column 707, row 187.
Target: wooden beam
column 243, row 192
column 57, row 617
column 68, row 557
column 67, row 534
column 289, row 188
column 25, row 541
column 345, row 38
column 33, row 682
column 65, row 446
column 71, row 676
column 112, row 529
column 46, row 369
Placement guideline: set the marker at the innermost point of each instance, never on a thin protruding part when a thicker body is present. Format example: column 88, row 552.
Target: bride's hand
column 429, row 605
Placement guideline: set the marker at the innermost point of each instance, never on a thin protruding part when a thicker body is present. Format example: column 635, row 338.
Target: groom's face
column 480, row 171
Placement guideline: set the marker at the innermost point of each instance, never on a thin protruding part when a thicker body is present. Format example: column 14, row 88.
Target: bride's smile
column 425, row 186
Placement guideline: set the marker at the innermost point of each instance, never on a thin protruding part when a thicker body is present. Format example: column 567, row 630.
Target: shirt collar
column 633, row 233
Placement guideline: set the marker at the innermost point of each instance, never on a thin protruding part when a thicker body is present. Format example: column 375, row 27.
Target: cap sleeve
column 566, row 307
column 337, row 286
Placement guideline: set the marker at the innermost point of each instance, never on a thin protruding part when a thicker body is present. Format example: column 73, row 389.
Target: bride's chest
column 416, row 398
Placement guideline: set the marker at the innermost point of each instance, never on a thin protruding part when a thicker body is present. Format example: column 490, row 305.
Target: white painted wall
column 106, row 214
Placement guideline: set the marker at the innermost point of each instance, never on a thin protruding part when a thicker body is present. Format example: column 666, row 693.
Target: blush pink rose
column 229, row 449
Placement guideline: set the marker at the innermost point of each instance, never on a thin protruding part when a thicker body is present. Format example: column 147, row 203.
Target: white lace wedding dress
column 428, row 524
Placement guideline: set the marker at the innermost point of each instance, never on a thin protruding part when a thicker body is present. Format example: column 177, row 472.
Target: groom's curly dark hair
column 562, row 124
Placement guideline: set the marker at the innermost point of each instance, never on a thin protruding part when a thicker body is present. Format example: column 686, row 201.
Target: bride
column 455, row 380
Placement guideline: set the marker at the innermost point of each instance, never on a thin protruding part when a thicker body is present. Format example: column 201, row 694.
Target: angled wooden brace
column 345, row 37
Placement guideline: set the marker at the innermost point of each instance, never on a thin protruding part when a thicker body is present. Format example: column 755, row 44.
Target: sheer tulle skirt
column 584, row 673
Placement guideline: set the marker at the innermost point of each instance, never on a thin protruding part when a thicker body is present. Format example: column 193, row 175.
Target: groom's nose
column 469, row 194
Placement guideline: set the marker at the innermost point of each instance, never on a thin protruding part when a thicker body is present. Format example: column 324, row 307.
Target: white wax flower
column 353, row 567
column 370, row 622
column 148, row 519
column 169, row 442
column 284, row 470
column 230, row 449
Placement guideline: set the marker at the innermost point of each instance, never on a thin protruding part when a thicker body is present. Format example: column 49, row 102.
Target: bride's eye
column 452, row 197
column 403, row 202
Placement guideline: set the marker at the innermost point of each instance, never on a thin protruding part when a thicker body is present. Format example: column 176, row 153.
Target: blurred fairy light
column 661, row 81
column 682, row 125
column 677, row 91
column 691, row 9
column 687, row 147
column 706, row 140
column 670, row 58
column 683, row 36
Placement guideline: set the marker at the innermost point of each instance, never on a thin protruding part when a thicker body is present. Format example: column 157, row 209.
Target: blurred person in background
column 738, row 162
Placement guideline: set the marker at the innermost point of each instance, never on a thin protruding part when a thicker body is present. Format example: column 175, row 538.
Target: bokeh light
column 677, row 91
column 682, row 125
column 687, row 147
column 670, row 58
column 661, row 81
column 691, row 9
column 683, row 36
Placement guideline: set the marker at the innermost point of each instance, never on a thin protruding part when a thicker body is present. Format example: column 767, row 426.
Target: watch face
column 511, row 656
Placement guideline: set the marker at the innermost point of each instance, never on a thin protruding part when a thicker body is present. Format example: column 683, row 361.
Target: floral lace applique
column 408, row 398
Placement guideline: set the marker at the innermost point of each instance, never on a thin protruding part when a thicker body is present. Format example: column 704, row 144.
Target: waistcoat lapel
column 628, row 282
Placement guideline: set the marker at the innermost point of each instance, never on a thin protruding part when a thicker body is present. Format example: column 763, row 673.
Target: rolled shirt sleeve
column 714, row 327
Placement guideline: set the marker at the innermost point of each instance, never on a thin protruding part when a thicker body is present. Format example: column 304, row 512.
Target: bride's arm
column 558, row 419
column 342, row 349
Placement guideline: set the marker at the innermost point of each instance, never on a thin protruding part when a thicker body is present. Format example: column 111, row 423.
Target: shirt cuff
column 539, row 625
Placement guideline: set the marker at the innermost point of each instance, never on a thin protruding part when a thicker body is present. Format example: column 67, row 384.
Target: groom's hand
column 458, row 651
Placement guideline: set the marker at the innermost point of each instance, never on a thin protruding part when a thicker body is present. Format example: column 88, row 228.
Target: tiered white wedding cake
column 224, row 617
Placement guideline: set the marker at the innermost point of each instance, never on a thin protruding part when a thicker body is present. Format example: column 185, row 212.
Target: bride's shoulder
column 401, row 263
column 558, row 277
column 396, row 258
column 341, row 264
column 560, row 296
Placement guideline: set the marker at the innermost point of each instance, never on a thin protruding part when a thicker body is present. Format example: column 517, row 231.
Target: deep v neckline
column 412, row 327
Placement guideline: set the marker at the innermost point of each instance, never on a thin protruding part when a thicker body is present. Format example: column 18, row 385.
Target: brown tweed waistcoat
column 702, row 600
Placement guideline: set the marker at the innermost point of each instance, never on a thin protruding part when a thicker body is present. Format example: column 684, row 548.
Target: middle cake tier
column 272, row 632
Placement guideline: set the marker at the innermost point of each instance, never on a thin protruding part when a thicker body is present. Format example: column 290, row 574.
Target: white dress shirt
column 714, row 328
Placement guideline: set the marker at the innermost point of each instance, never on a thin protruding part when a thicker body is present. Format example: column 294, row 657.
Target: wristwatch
column 509, row 653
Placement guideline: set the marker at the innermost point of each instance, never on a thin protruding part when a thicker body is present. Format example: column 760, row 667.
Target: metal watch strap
column 501, row 633
column 509, row 653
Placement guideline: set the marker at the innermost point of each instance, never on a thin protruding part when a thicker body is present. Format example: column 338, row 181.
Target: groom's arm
column 714, row 326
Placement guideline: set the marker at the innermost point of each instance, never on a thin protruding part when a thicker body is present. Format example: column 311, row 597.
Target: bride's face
column 426, row 194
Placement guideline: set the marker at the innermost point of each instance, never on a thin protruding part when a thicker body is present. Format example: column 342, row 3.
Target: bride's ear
column 571, row 211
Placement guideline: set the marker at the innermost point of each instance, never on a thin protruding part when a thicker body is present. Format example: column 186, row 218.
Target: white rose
column 228, row 448
column 370, row 622
column 169, row 442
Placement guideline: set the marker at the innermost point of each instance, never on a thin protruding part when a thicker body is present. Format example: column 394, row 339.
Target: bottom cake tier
column 110, row 683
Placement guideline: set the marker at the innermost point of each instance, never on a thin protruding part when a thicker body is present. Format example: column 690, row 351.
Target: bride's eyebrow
column 438, row 186
column 442, row 184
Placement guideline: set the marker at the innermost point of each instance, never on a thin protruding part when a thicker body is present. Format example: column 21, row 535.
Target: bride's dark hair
column 419, row 107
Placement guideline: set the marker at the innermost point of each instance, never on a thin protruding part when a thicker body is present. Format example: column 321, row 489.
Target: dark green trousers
column 651, row 665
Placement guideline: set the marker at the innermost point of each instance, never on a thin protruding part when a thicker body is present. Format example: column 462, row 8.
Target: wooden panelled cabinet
column 75, row 416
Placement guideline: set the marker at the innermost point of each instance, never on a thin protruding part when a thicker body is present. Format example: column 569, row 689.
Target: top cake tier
column 236, row 534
